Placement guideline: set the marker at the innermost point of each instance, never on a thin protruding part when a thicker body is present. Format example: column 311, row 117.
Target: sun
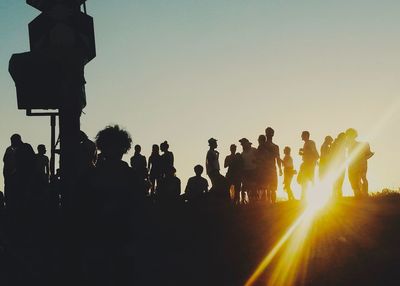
column 319, row 195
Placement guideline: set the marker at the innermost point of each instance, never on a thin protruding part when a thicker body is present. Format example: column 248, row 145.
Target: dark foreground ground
column 348, row 243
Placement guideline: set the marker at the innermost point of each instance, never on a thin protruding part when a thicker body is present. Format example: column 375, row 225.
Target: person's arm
column 208, row 159
column 187, row 189
column 226, row 162
column 315, row 151
column 369, row 152
column 279, row 161
column 206, row 186
column 144, row 162
column 179, row 187
column 149, row 163
column 47, row 168
column 132, row 161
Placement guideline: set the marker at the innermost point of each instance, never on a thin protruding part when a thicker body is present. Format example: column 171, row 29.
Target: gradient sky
column 185, row 71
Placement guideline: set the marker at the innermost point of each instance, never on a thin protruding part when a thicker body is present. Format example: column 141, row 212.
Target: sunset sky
column 185, row 71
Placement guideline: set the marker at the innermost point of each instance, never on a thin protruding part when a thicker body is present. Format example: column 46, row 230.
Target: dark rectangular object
column 37, row 80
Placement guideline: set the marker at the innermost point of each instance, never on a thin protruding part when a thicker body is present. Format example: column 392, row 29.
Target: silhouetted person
column 110, row 209
column 310, row 157
column 9, row 168
column 138, row 163
column 325, row 157
column 154, row 167
column 87, row 153
column 273, row 160
column 359, row 153
column 167, row 158
column 196, row 186
column 212, row 161
column 234, row 163
column 262, row 168
column 169, row 189
column 288, row 173
column 249, row 157
column 338, row 163
column 42, row 168
column 19, row 167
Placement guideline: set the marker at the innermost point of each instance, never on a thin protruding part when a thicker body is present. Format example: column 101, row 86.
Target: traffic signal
column 40, row 81
column 62, row 41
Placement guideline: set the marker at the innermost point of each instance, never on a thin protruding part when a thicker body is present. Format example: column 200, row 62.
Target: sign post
column 51, row 75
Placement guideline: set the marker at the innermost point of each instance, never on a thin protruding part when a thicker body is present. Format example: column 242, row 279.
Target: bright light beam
column 315, row 202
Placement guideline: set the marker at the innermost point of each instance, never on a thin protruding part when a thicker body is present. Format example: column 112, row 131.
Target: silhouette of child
column 288, row 173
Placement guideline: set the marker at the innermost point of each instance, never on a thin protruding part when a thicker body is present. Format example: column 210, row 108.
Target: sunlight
column 319, row 195
column 295, row 254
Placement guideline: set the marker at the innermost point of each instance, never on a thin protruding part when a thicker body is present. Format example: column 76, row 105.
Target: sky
column 185, row 71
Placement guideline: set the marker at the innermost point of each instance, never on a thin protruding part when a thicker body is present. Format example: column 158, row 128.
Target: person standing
column 19, row 169
column 249, row 157
column 234, row 163
column 273, row 160
column 167, row 159
column 288, row 173
column 110, row 210
column 358, row 153
column 154, row 167
column 262, row 167
column 212, row 161
column 324, row 160
column 338, row 163
column 310, row 157
column 138, row 163
column 42, row 168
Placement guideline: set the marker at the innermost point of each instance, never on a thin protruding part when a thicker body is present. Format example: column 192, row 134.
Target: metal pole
column 53, row 145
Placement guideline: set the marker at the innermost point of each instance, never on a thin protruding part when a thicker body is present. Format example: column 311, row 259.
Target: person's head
column 138, row 149
column 328, row 139
column 351, row 134
column 164, row 146
column 155, row 149
column 212, row 142
column 16, row 140
column 341, row 137
column 305, row 135
column 269, row 132
column 198, row 170
column 113, row 142
column 233, row 148
column 261, row 139
column 41, row 149
column 287, row 150
column 246, row 144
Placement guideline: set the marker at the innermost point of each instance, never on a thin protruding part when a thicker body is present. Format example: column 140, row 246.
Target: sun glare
column 291, row 251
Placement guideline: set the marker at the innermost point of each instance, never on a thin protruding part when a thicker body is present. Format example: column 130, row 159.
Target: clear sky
column 185, row 71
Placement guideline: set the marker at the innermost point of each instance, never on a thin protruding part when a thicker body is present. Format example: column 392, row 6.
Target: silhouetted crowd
column 252, row 175
column 114, row 214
